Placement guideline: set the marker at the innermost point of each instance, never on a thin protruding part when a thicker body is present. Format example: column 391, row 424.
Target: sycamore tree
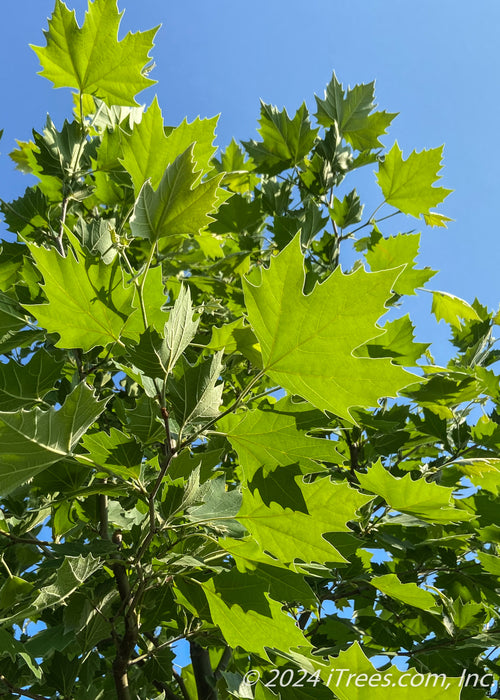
column 210, row 422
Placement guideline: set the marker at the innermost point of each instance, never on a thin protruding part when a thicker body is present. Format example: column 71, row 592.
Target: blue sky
column 436, row 63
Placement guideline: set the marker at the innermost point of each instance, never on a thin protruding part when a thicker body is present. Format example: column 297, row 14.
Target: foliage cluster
column 205, row 429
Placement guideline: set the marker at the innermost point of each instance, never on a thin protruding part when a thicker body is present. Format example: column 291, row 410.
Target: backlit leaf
column 449, row 308
column 291, row 536
column 408, row 184
column 270, row 437
column 177, row 206
column 307, row 342
column 90, row 58
column 419, row 497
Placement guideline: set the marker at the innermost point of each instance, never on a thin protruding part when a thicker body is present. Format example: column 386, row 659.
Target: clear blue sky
column 436, row 63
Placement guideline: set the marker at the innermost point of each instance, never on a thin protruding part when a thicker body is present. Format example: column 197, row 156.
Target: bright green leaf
column 177, row 206
column 308, row 341
column 350, row 112
column 270, row 437
column 147, row 151
column 408, row 184
column 293, row 535
column 450, row 309
column 285, row 141
column 90, row 58
column 421, row 498
column 395, row 251
column 88, row 303
column 248, row 618
column 408, row 593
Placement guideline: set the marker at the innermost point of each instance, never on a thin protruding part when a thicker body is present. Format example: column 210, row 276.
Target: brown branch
column 30, row 540
column 20, row 691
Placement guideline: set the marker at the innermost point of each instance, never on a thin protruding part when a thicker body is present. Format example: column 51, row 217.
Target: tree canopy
column 218, row 430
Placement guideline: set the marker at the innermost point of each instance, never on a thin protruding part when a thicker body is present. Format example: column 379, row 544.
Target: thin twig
column 21, row 691
column 30, row 540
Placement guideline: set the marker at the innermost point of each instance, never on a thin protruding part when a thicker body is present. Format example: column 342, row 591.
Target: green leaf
column 32, row 440
column 490, row 563
column 194, row 391
column 115, row 453
column 90, row 58
column 408, row 593
column 147, row 151
column 88, row 302
column 450, row 309
column 271, row 437
column 395, row 251
column 353, row 677
column 293, row 536
column 285, row 141
column 425, row 500
column 408, row 184
column 22, row 385
column 219, row 508
column 397, row 343
column 97, row 238
column 347, row 212
column 156, row 356
column 238, row 175
column 9, row 646
column 177, row 206
column 308, row 341
column 436, row 220
column 180, row 328
column 248, row 618
column 350, row 112
column 236, row 337
column 144, row 422
column 62, row 154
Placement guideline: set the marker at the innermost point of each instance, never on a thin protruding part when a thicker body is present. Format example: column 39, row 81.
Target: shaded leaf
column 32, row 440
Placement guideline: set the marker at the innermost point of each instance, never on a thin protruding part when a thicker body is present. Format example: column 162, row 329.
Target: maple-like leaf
column 248, row 617
column 32, row 440
column 397, row 342
column 178, row 206
column 395, row 251
column 421, row 498
column 147, row 150
column 408, row 184
column 285, row 141
column 449, row 308
column 88, row 302
column 308, row 342
column 272, row 437
column 90, row 58
column 291, row 535
column 351, row 111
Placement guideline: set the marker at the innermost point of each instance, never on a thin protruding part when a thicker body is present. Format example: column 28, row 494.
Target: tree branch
column 20, row 691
